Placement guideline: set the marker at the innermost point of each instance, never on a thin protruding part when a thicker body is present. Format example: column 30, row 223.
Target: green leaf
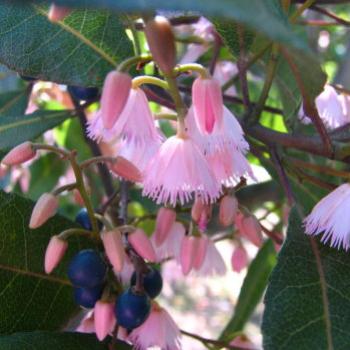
column 17, row 129
column 252, row 290
column 79, row 51
column 13, row 103
column 308, row 298
column 56, row 341
column 30, row 299
column 263, row 16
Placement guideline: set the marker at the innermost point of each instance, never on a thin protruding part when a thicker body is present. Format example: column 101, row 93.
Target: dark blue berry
column 83, row 219
column 132, row 309
column 83, row 93
column 87, row 269
column 152, row 282
column 87, row 297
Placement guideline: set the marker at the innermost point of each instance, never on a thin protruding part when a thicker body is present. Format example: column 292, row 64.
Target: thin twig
column 330, row 14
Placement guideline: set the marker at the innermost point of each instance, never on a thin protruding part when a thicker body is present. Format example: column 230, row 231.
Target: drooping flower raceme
column 330, row 217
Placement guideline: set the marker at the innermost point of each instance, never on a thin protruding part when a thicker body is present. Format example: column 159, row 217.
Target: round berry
column 83, row 93
column 87, row 269
column 83, row 219
column 132, row 309
column 87, row 297
column 152, row 282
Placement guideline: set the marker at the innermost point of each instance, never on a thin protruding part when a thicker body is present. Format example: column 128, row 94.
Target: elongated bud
column 104, row 319
column 199, row 209
column 19, row 154
column 58, row 13
column 239, row 259
column 114, row 248
column 142, row 245
column 161, row 42
column 44, row 209
column 188, row 251
column 200, row 252
column 165, row 220
column 207, row 103
column 115, row 93
column 228, row 210
column 251, row 229
column 54, row 253
column 125, row 169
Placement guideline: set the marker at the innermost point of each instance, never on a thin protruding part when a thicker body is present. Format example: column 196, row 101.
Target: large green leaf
column 79, row 51
column 308, row 298
column 30, row 299
column 264, row 16
column 252, row 290
column 13, row 103
column 17, row 129
column 56, row 341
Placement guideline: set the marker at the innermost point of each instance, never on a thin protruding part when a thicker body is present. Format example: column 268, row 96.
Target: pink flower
column 115, row 93
column 201, row 213
column 126, row 272
column 58, row 13
column 104, row 319
column 227, row 210
column 188, row 252
column 44, row 209
column 201, row 252
column 239, row 259
column 170, row 248
column 207, row 104
column 213, row 263
column 113, row 244
column 159, row 330
column 54, row 253
column 87, row 324
column 249, row 228
column 19, row 154
column 142, row 245
column 165, row 220
column 135, row 123
column 330, row 216
column 177, row 171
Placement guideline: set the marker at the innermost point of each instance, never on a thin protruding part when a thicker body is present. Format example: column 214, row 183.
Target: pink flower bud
column 114, row 248
column 20, row 154
column 58, row 13
column 44, row 209
column 251, row 230
column 201, row 251
column 188, row 251
column 200, row 209
column 115, row 93
column 142, row 245
column 239, row 259
column 54, row 253
column 125, row 169
column 104, row 319
column 87, row 324
column 161, row 42
column 165, row 220
column 207, row 104
column 227, row 211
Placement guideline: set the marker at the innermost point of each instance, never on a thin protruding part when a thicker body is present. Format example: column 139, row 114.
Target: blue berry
column 152, row 282
column 87, row 269
column 132, row 309
column 82, row 93
column 83, row 219
column 87, row 297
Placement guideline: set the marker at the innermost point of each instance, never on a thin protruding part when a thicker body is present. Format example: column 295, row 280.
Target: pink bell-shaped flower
column 207, row 103
column 87, row 324
column 330, row 217
column 200, row 211
column 159, row 331
column 114, row 248
column 142, row 245
column 239, row 259
column 165, row 220
column 58, row 13
column 227, row 210
column 44, row 209
column 188, row 252
column 115, row 93
column 19, row 154
column 177, row 171
column 125, row 169
column 54, row 253
column 104, row 319
column 213, row 263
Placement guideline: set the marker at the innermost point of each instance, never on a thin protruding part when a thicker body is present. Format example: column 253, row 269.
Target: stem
column 188, row 67
column 63, row 153
column 64, row 188
column 99, row 159
column 137, row 45
column 72, row 232
column 105, row 222
column 293, row 18
column 330, row 14
column 128, row 63
column 145, row 79
column 166, row 116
